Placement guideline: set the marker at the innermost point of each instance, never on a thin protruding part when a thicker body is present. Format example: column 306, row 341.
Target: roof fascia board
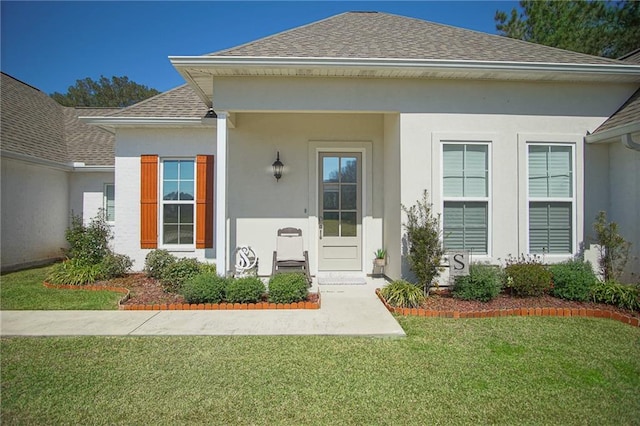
column 181, row 62
column 612, row 135
column 35, row 160
column 113, row 122
column 94, row 169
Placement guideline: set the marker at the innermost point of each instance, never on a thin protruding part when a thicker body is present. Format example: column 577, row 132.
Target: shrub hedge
column 572, row 280
column 288, row 288
column 483, row 283
column 526, row 276
column 205, row 287
column 245, row 290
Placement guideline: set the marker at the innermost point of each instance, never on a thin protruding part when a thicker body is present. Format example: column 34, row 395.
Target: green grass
column 517, row 370
column 24, row 290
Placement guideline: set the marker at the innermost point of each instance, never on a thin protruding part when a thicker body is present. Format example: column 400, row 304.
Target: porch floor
column 347, row 310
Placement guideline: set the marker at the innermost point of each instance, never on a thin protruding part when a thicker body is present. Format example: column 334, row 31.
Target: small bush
column 572, row 280
column 205, row 287
column 613, row 293
column 403, row 294
column 115, row 265
column 74, row 272
column 288, row 288
column 89, row 244
column 178, row 272
column 526, row 276
column 156, row 262
column 483, row 283
column 208, row 268
column 245, row 290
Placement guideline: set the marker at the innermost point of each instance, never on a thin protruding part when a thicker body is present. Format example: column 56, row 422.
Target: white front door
column 340, row 211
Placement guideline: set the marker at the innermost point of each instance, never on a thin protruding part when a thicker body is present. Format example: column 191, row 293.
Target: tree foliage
column 603, row 28
column 106, row 92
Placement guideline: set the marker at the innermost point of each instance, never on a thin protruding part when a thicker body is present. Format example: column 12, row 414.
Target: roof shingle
column 180, row 102
column 381, row 35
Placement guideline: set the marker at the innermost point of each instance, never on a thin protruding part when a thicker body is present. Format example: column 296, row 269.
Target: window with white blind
column 466, row 196
column 551, row 198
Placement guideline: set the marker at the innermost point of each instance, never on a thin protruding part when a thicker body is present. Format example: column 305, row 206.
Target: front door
column 340, row 211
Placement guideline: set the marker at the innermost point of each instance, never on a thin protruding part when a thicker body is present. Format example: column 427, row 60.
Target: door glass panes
column 340, row 195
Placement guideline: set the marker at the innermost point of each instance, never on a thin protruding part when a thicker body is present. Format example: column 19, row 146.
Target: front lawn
column 515, row 370
column 23, row 290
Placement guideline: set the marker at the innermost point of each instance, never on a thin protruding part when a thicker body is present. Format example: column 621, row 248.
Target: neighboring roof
column 628, row 113
column 631, row 57
column 382, row 35
column 181, row 102
column 34, row 125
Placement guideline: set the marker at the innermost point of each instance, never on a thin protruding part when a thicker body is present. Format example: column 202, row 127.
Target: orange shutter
column 149, row 201
column 204, row 201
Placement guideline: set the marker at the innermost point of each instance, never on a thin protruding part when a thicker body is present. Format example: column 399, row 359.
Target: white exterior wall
column 624, row 166
column 130, row 145
column 86, row 193
column 35, row 215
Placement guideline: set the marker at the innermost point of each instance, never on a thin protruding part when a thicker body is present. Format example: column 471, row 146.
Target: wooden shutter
column 204, row 201
column 149, row 201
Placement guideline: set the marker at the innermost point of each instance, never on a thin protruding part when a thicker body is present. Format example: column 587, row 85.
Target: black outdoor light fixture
column 277, row 167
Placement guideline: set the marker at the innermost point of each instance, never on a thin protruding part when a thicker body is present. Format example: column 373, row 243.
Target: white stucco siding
column 624, row 166
column 130, row 145
column 392, row 230
column 35, row 215
column 259, row 206
column 86, row 193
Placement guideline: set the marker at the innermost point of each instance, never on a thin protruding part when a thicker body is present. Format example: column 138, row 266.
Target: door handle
column 321, row 227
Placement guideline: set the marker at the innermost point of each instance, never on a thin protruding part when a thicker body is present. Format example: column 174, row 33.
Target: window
column 178, row 202
column 466, row 196
column 551, row 198
column 109, row 202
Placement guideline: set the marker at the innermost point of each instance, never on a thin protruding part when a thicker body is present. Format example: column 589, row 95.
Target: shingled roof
column 629, row 112
column 386, row 36
column 181, row 102
column 34, row 125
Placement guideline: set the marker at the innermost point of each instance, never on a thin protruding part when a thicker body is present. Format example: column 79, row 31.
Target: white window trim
column 577, row 182
column 104, row 201
column 469, row 140
column 161, row 204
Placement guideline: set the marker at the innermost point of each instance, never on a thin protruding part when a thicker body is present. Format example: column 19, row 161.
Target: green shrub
column 572, row 280
column 245, row 290
column 178, row 272
column 403, row 294
column 526, row 276
column 89, row 244
column 425, row 248
column 204, row 287
column 115, row 265
column 208, row 268
column 74, row 272
column 613, row 248
column 156, row 262
column 613, row 293
column 288, row 288
column 483, row 283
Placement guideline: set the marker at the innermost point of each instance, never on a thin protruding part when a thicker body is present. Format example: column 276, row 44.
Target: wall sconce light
column 277, row 167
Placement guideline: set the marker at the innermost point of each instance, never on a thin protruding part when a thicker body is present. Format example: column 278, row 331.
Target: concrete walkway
column 347, row 310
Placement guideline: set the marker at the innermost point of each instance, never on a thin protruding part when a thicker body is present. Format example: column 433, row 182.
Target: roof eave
column 111, row 123
column 602, row 72
column 623, row 133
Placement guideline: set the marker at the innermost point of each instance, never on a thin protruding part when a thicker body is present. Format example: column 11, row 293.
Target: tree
column 114, row 92
column 602, row 28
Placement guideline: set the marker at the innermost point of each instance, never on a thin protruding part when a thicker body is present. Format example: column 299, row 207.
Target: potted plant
column 381, row 255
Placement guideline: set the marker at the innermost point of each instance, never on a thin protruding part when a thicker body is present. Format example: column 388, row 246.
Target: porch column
column 221, row 193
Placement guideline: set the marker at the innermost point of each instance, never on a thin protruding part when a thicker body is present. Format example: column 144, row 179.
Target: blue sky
column 50, row 45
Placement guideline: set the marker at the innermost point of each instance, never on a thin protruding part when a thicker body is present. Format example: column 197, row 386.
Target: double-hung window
column 466, row 196
column 551, row 198
column 178, row 202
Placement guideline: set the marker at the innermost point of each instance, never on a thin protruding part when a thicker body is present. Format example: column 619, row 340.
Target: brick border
column 188, row 306
column 520, row 312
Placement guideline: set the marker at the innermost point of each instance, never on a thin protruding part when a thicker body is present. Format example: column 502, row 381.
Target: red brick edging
column 189, row 306
column 521, row 312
